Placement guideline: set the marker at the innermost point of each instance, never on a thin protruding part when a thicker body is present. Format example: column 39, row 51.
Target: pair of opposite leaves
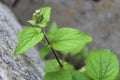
column 99, row 65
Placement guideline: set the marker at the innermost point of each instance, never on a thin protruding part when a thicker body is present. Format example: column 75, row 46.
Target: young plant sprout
column 100, row 64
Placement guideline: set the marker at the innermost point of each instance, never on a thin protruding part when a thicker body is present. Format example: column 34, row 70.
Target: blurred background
column 98, row 18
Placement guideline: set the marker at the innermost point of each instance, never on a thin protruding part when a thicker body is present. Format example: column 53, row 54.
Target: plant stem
column 52, row 50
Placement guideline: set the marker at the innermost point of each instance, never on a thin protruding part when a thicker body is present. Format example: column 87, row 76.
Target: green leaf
column 41, row 17
column 32, row 22
column 27, row 39
column 83, row 54
column 77, row 49
column 58, row 75
column 46, row 14
column 76, row 75
column 118, row 77
column 83, row 69
column 68, row 39
column 74, row 51
column 44, row 51
column 102, row 65
column 52, row 66
column 53, row 28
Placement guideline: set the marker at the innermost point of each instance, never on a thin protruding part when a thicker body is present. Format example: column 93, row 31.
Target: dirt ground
column 98, row 18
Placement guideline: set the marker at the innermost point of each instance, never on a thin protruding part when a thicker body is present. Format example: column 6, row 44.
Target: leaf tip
column 15, row 54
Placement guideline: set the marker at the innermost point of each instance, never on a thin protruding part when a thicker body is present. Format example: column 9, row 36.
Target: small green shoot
column 99, row 64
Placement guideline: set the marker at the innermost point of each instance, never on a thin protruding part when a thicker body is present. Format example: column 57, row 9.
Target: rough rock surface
column 24, row 67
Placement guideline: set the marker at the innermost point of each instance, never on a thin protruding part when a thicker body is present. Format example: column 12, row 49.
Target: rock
column 24, row 67
column 10, row 2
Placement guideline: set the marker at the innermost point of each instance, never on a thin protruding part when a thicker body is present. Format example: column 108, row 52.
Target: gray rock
column 10, row 2
column 24, row 67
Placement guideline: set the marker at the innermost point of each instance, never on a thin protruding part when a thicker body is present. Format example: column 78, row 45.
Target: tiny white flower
column 37, row 11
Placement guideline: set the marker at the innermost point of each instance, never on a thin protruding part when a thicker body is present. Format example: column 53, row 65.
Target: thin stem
column 52, row 50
